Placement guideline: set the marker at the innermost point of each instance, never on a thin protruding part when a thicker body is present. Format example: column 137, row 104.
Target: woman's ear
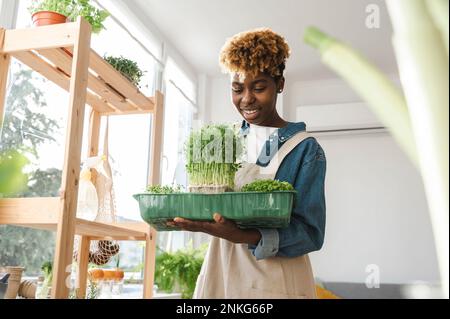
column 280, row 85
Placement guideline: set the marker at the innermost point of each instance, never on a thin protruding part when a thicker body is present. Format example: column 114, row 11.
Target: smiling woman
column 265, row 262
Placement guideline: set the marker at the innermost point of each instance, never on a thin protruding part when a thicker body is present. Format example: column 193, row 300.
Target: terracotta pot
column 42, row 18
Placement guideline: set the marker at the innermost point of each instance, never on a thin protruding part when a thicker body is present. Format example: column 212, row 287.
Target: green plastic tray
column 248, row 210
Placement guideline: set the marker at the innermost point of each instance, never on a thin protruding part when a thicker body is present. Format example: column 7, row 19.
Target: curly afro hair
column 255, row 51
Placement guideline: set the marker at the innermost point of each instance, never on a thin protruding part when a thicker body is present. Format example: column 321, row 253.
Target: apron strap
column 284, row 150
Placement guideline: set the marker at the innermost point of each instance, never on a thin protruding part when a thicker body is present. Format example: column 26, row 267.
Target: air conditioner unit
column 339, row 118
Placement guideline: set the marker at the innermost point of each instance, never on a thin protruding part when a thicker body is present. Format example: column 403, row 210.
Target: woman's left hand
column 220, row 227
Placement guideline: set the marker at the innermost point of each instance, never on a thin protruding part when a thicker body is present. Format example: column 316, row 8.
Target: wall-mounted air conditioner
column 340, row 118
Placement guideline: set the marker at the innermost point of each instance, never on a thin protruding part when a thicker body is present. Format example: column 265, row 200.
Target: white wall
column 376, row 207
column 218, row 106
column 376, row 213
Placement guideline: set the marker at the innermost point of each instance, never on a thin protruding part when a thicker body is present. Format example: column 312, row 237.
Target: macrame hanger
column 101, row 251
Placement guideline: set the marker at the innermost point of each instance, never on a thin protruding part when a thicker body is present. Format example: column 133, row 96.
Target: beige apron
column 230, row 271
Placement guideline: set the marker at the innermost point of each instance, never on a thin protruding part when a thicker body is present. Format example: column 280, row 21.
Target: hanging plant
column 127, row 68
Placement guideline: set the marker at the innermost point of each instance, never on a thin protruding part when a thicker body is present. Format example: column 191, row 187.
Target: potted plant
column 127, row 68
column 213, row 155
column 44, row 287
column 46, row 12
column 178, row 271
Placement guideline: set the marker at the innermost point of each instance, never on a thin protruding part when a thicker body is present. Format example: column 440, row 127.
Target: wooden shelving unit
column 62, row 54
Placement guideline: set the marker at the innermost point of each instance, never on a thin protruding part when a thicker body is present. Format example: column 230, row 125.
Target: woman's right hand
column 220, row 227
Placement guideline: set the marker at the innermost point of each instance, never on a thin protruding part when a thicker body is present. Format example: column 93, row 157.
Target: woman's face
column 255, row 98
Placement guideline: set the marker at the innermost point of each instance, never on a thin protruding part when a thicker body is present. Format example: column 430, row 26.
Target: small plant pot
column 43, row 18
column 13, row 281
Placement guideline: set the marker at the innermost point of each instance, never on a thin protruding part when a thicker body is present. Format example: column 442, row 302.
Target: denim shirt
column 304, row 167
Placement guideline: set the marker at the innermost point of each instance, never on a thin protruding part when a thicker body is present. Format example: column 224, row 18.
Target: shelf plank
column 96, row 230
column 54, row 36
column 39, row 210
column 43, row 212
column 63, row 60
column 58, row 77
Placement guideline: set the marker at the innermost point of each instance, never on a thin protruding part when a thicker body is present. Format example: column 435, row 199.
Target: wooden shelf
column 43, row 213
column 109, row 92
column 62, row 54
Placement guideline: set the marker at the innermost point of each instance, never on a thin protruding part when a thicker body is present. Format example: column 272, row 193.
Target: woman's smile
column 251, row 114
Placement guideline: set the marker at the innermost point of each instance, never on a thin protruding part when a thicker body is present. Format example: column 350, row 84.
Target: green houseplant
column 178, row 271
column 127, row 68
column 46, row 12
column 44, row 288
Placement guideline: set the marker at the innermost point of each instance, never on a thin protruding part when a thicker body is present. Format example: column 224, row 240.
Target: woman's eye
column 260, row 89
column 236, row 90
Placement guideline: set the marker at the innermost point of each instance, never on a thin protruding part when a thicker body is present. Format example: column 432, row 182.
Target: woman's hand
column 220, row 227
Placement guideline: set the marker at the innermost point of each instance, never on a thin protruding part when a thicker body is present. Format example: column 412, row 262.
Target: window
column 35, row 120
column 178, row 110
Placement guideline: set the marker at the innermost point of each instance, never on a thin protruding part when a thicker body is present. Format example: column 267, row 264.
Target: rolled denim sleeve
column 268, row 244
